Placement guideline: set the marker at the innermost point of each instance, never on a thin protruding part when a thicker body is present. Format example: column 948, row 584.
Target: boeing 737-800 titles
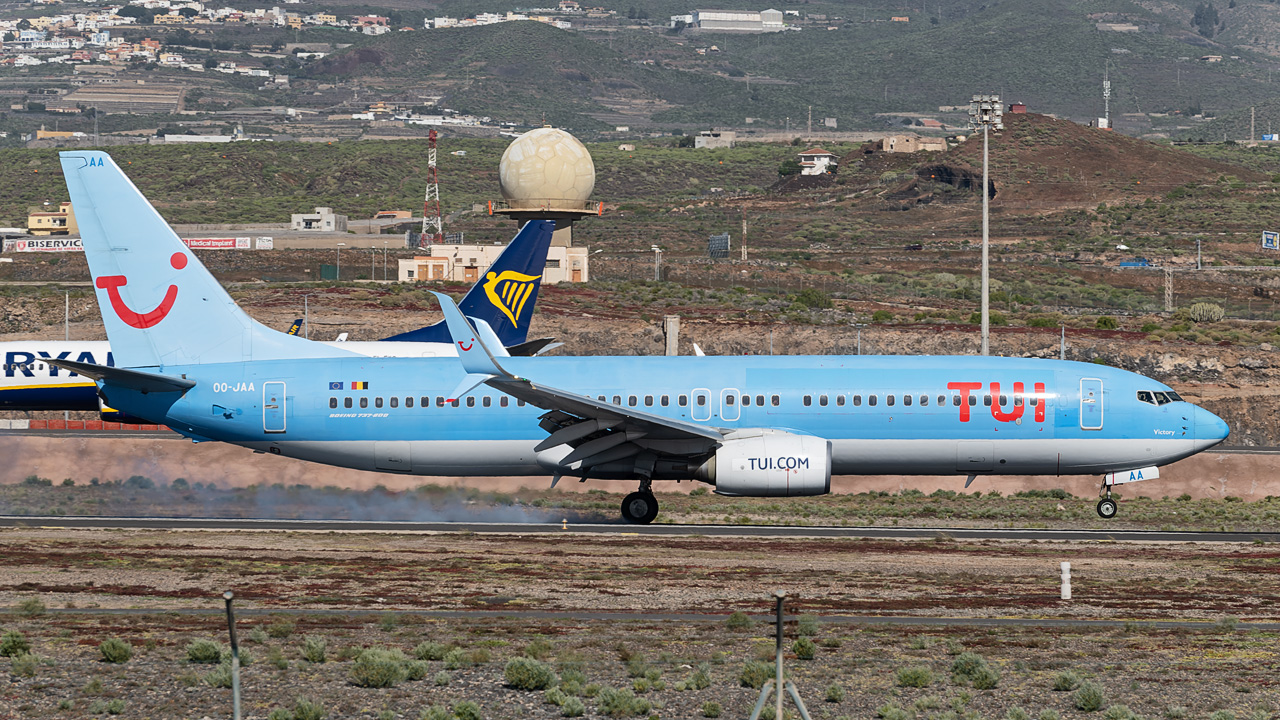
column 749, row 426
column 505, row 298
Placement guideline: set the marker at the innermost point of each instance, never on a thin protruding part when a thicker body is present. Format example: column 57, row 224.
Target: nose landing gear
column 1107, row 508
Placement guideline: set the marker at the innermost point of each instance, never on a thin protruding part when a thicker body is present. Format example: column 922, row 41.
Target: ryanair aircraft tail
column 158, row 302
column 506, row 295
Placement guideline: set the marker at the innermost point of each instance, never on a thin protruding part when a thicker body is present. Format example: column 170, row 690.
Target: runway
column 623, row 530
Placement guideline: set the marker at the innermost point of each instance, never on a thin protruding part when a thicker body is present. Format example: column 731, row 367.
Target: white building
column 816, row 161
column 465, row 263
column 322, row 220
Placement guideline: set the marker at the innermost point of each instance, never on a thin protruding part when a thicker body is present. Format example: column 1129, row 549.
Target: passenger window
column 822, row 400
column 857, row 400
column 746, row 400
column 395, row 402
column 1004, row 400
column 955, row 400
column 1034, row 401
column 888, row 400
column 906, row 400
column 760, row 401
column 426, row 402
column 408, row 402
column 942, row 400
column 728, row 399
column 471, row 401
column 487, row 401
column 808, row 400
column 503, row 401
column 519, row 403
column 973, row 400
column 924, row 401
column 600, row 398
column 364, row 402
column 617, row 399
column 439, row 401
column 682, row 400
column 631, row 400
column 333, row 402
column 453, row 403
column 346, row 402
column 775, row 400
column 986, row 400
column 702, row 400
column 872, row 400
column 377, row 402
column 648, row 401
column 1017, row 399
column 840, row 400
column 665, row 400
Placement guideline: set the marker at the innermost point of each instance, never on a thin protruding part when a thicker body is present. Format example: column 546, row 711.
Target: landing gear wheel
column 1107, row 508
column 639, row 508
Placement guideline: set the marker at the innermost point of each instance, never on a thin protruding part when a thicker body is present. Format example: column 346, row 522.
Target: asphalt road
column 620, row 529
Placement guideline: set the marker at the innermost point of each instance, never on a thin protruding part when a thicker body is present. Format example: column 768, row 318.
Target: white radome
column 546, row 168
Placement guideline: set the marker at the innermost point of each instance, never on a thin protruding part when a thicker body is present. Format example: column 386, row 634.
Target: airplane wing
column 598, row 432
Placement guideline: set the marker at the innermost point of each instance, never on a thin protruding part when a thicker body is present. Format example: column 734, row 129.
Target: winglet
column 475, row 355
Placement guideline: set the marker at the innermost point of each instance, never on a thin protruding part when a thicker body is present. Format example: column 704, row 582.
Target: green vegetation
column 13, row 643
column 115, row 650
column 737, row 621
column 379, row 668
column 1089, row 698
column 755, row 673
column 524, row 673
column 205, row 652
column 804, row 648
column 916, row 676
column 314, row 649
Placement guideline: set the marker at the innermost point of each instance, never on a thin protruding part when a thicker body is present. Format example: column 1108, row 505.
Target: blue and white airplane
column 505, row 298
column 189, row 358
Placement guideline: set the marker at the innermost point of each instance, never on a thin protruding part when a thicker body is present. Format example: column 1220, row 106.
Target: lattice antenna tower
column 432, row 222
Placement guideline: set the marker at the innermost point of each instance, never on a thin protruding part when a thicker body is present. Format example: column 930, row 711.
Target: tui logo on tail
column 508, row 292
column 132, row 318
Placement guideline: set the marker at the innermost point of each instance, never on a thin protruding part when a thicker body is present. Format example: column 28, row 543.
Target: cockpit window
column 1173, row 396
column 1146, row 397
column 1162, row 399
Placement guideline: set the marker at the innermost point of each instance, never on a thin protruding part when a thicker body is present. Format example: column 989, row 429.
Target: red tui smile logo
column 468, row 346
column 142, row 321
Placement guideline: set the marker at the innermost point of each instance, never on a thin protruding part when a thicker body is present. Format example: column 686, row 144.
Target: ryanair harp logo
column 508, row 292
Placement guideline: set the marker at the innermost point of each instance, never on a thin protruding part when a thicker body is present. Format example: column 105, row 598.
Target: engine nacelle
column 769, row 463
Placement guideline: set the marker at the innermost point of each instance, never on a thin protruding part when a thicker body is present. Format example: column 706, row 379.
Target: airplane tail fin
column 505, row 297
column 159, row 304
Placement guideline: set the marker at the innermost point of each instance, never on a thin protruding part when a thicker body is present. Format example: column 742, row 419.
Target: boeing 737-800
column 505, row 298
column 749, row 426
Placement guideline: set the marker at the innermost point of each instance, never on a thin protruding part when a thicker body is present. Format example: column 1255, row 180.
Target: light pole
column 338, row 274
column 384, row 261
column 986, row 110
column 657, row 262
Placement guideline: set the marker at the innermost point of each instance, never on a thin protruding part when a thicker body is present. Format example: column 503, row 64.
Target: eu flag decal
column 335, row 386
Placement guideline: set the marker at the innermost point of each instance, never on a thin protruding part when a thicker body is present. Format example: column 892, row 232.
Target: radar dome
column 546, row 168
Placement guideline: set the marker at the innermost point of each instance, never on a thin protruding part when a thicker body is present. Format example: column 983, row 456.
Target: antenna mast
column 1106, row 97
column 432, row 223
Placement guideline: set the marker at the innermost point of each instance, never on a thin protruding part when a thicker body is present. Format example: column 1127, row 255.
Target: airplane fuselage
column 891, row 415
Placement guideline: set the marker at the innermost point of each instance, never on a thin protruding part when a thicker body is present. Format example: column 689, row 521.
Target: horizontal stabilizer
column 145, row 382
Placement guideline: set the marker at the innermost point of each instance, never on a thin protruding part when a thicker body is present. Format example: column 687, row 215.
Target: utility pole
column 744, row 234
column 1168, row 289
column 986, row 110
column 809, row 131
column 1252, row 111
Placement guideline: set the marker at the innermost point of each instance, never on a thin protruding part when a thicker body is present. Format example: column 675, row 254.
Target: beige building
column 912, row 143
column 62, row 222
column 465, row 263
column 715, row 139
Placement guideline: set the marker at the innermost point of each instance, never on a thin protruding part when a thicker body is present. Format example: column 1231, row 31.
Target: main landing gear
column 640, row 507
column 1107, row 508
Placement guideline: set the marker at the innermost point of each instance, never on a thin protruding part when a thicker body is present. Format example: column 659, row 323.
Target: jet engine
column 769, row 463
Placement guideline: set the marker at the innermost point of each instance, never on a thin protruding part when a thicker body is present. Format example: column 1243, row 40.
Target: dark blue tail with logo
column 505, row 296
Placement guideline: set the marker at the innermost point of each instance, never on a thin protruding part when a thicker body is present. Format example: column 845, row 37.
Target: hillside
column 1048, row 53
